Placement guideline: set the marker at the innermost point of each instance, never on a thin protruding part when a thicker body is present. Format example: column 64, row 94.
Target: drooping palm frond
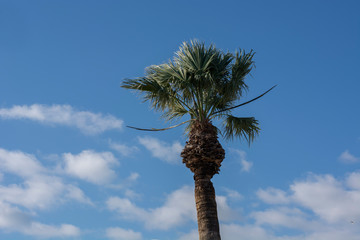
column 233, row 86
column 159, row 129
column 242, row 104
column 202, row 82
column 243, row 128
column 159, row 95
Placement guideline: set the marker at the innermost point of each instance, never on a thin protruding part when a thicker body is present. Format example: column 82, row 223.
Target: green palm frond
column 243, row 128
column 159, row 95
column 227, row 109
column 175, row 112
column 202, row 82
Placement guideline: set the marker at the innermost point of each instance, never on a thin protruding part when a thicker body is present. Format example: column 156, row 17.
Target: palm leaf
column 243, row 128
column 203, row 82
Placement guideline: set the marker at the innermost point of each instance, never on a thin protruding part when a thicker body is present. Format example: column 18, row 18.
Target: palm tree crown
column 202, row 82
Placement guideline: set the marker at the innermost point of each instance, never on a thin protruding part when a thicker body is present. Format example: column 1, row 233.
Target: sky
column 71, row 169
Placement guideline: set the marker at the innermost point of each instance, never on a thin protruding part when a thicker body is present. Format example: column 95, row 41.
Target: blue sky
column 70, row 169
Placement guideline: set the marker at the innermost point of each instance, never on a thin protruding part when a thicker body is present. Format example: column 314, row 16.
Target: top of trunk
column 203, row 153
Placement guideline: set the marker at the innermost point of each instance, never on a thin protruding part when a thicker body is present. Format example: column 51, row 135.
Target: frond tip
column 243, row 128
column 203, row 83
column 159, row 129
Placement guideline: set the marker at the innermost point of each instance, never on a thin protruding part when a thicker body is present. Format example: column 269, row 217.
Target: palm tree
column 203, row 84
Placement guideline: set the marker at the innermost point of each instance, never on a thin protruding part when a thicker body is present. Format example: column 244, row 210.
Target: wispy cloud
column 123, row 149
column 15, row 220
column 87, row 122
column 233, row 194
column 178, row 209
column 347, row 157
column 273, row 196
column 37, row 190
column 167, row 152
column 122, row 234
column 317, row 207
column 245, row 164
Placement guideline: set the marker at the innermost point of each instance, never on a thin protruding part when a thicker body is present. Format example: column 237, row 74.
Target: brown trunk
column 203, row 155
column 208, row 224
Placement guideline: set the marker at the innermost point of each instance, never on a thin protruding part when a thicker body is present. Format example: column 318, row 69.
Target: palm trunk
column 208, row 224
column 203, row 155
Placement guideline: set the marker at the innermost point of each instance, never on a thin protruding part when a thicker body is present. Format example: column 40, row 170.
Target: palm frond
column 158, row 94
column 243, row 128
column 203, row 82
column 176, row 111
column 159, row 129
column 242, row 104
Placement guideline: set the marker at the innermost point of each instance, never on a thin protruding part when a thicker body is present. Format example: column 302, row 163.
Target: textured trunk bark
column 203, row 155
column 208, row 224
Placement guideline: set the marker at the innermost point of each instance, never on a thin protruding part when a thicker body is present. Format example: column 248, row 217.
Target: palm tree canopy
column 202, row 82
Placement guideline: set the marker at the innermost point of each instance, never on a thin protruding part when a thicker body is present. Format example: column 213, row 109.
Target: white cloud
column 123, row 149
column 248, row 232
column 327, row 197
column 41, row 192
column 11, row 160
column 77, row 194
column 245, row 165
column 87, row 122
column 167, row 152
column 286, row 217
column 122, row 234
column 14, row 220
column 193, row 235
column 232, row 194
column 178, row 209
column 273, row 196
column 353, row 180
column 133, row 177
column 347, row 157
column 127, row 209
column 37, row 190
column 235, row 231
column 49, row 231
column 91, row 166
column 257, row 232
column 319, row 207
column 131, row 194
column 127, row 183
column 225, row 213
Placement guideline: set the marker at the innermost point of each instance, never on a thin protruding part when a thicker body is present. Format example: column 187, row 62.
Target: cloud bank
column 122, row 234
column 319, row 207
column 167, row 152
column 87, row 122
column 178, row 209
column 39, row 190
